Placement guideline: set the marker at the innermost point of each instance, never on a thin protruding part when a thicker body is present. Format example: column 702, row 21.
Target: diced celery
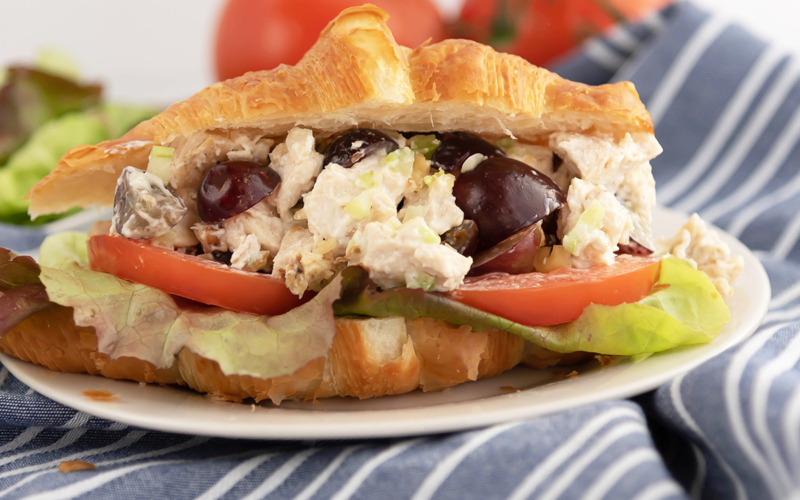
column 370, row 180
column 505, row 143
column 428, row 235
column 424, row 144
column 419, row 279
column 430, row 179
column 393, row 223
column 359, row 207
column 413, row 211
column 355, row 243
column 324, row 245
column 589, row 220
column 400, row 161
column 162, row 152
column 160, row 159
column 166, row 240
column 549, row 259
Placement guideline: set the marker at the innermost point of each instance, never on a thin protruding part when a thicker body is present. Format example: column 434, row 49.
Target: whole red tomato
column 541, row 30
column 261, row 34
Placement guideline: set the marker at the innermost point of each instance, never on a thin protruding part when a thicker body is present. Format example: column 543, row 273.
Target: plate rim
column 443, row 417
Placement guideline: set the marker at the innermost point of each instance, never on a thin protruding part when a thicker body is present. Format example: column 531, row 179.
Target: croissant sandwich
column 373, row 220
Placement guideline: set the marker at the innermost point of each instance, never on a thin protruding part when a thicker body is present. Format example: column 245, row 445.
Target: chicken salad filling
column 416, row 210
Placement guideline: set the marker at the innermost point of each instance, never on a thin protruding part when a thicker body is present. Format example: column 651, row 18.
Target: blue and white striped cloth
column 727, row 110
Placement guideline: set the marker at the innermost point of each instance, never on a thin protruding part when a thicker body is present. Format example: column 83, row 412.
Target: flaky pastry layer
column 357, row 75
column 433, row 355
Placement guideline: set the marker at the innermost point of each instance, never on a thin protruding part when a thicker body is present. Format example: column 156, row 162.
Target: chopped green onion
column 400, row 161
column 589, row 220
column 160, row 158
column 359, row 207
column 420, row 279
column 370, row 180
column 424, row 144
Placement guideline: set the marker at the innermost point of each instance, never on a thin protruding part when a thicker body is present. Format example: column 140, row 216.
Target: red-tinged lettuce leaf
column 31, row 97
column 21, row 303
column 16, row 271
column 21, row 293
column 683, row 309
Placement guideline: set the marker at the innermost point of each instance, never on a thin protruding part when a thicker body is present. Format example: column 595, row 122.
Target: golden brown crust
column 356, row 74
column 432, row 355
column 204, row 375
column 352, row 370
column 87, row 175
column 50, row 338
column 435, row 356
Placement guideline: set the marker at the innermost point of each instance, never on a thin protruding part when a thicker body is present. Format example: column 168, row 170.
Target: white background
column 159, row 51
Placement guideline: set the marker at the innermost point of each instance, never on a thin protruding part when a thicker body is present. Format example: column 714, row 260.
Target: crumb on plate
column 75, row 465
column 97, row 395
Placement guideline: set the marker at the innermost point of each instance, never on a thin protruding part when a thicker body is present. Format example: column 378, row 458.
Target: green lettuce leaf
column 57, row 61
column 267, row 347
column 139, row 321
column 684, row 308
column 48, row 143
column 41, row 153
column 64, row 250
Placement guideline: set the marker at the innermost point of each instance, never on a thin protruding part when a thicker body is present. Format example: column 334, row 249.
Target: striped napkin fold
column 727, row 111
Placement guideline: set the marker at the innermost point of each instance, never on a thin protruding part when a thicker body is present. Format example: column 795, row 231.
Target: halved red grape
column 458, row 146
column 353, row 145
column 232, row 187
column 463, row 238
column 514, row 255
column 504, row 196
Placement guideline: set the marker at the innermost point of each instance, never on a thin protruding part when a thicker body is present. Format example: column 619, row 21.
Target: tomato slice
column 191, row 277
column 539, row 299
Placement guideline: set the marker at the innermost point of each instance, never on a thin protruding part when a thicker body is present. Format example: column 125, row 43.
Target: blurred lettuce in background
column 45, row 111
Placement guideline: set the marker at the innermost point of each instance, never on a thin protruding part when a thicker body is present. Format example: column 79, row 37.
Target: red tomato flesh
column 191, row 277
column 538, row 299
column 534, row 299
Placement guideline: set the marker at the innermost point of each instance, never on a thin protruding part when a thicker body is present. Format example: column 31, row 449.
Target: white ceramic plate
column 469, row 405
